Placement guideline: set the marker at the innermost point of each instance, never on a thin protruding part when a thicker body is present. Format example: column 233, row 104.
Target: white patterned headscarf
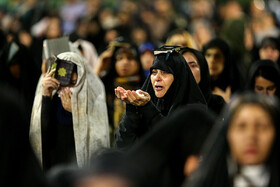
column 89, row 112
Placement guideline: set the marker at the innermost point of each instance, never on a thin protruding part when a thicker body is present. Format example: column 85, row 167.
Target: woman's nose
column 158, row 77
column 125, row 61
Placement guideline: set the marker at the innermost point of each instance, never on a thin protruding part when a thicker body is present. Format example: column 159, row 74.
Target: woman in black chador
column 200, row 70
column 169, row 86
column 264, row 78
column 243, row 148
column 18, row 70
column 166, row 155
column 226, row 75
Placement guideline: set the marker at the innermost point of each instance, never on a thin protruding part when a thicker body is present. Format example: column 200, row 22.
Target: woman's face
column 126, row 65
column 73, row 81
column 193, row 64
column 53, row 30
column 161, row 81
column 264, row 86
column 178, row 40
column 216, row 61
column 250, row 135
column 269, row 52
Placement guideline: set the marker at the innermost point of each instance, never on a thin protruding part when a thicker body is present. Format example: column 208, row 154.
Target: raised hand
column 49, row 84
column 225, row 94
column 104, row 61
column 131, row 97
column 65, row 96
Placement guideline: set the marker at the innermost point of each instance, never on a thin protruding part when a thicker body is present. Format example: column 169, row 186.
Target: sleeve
column 151, row 114
column 135, row 123
column 45, row 127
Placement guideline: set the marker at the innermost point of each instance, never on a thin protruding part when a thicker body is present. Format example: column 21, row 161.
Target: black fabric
column 213, row 170
column 136, row 122
column 214, row 102
column 66, row 176
column 159, row 158
column 25, row 85
column 58, row 145
column 139, row 120
column 18, row 164
column 232, row 73
column 268, row 70
column 183, row 90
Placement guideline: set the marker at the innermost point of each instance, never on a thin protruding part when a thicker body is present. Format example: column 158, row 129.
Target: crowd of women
column 154, row 94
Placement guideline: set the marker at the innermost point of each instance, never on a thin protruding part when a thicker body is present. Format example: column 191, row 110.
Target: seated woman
column 68, row 112
column 170, row 85
column 264, row 78
column 243, row 149
column 200, row 70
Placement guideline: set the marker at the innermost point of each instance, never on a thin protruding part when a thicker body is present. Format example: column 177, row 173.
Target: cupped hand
column 65, row 96
column 131, row 97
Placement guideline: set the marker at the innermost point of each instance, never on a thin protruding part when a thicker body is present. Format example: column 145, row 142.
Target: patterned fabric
column 129, row 83
column 89, row 112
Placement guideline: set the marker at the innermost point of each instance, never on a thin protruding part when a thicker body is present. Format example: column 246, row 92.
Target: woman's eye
column 271, row 88
column 119, row 58
column 259, row 88
column 154, row 72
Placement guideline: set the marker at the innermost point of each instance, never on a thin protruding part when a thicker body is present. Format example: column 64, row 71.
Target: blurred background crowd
column 230, row 46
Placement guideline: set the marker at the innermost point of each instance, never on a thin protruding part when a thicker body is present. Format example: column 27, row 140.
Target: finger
column 51, row 85
column 136, row 96
column 124, row 96
column 121, row 89
column 51, row 73
column 117, row 93
column 50, row 79
column 62, row 97
column 130, row 97
column 144, row 93
column 68, row 92
column 228, row 90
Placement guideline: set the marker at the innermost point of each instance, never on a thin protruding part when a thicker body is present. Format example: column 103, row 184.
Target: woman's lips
column 251, row 151
column 124, row 70
column 158, row 88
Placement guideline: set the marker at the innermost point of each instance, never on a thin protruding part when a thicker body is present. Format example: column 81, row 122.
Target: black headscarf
column 268, row 70
column 18, row 164
column 159, row 159
column 183, row 89
column 26, row 83
column 214, row 102
column 231, row 75
column 213, row 171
